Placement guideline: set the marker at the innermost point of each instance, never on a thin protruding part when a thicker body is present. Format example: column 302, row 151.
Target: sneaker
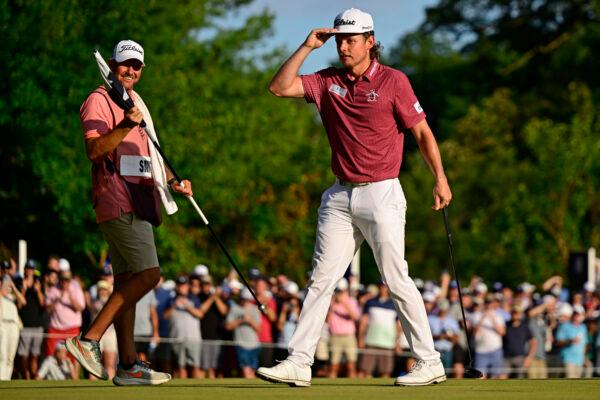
column 423, row 373
column 286, row 372
column 139, row 374
column 87, row 353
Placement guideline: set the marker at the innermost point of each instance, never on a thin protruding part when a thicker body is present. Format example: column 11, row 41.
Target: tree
column 252, row 158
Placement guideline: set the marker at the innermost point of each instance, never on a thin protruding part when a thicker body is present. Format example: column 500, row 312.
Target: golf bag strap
column 108, row 163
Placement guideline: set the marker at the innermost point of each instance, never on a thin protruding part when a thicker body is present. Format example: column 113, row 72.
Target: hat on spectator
column 565, row 310
column 526, row 287
column 498, row 286
column 342, row 285
column 291, row 288
column 578, row 309
column 517, row 308
column 181, row 280
column 169, row 284
column 453, row 284
column 64, row 265
column 107, row 270
column 65, row 275
column 429, row 297
column 5, row 264
column 419, row 283
column 201, row 270
column 234, row 284
column 254, row 273
column 32, row 264
column 589, row 286
column 481, row 288
column 443, row 305
column 205, row 279
column 60, row 346
column 102, row 284
column 477, row 300
column 372, row 289
column 246, row 295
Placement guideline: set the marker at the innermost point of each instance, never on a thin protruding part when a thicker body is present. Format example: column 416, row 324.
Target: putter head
column 473, row 373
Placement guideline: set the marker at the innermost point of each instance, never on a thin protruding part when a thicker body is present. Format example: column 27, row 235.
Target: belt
column 353, row 184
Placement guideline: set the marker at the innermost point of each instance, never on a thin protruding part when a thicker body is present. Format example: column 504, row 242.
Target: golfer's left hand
column 184, row 187
column 441, row 194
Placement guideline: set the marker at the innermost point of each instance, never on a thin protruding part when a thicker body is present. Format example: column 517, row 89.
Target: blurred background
column 511, row 89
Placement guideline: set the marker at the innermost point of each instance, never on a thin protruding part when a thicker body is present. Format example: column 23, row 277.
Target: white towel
column 158, row 166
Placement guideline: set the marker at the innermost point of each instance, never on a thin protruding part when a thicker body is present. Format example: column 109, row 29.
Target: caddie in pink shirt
column 365, row 107
column 129, row 182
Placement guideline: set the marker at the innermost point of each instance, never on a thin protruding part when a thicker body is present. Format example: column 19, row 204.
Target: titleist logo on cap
column 342, row 21
column 126, row 47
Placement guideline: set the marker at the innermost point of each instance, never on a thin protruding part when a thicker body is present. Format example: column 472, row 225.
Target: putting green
column 346, row 389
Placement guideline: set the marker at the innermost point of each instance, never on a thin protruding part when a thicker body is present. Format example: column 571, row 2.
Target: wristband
column 171, row 181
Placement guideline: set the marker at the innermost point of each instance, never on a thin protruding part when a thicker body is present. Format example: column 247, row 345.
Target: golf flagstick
column 120, row 96
column 470, row 371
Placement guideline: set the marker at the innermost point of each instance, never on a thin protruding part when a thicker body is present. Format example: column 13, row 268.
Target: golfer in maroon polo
column 365, row 108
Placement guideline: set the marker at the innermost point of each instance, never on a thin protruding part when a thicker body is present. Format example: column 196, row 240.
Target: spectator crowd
column 194, row 326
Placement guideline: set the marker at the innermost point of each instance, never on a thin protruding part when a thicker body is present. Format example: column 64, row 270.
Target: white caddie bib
column 136, row 166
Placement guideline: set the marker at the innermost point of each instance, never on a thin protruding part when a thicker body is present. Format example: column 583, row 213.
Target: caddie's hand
column 317, row 37
column 134, row 115
column 184, row 187
column 441, row 194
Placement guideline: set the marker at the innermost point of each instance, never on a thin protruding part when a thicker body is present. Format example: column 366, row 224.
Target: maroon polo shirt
column 364, row 119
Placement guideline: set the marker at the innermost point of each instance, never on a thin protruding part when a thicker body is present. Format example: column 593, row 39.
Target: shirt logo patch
column 340, row 91
column 372, row 96
column 418, row 107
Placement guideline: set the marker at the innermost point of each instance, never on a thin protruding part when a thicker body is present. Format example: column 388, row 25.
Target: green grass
column 346, row 389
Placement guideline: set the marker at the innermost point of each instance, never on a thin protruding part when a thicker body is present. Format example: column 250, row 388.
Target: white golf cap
column 234, row 284
column 246, row 294
column 353, row 20
column 201, row 270
column 126, row 50
column 64, row 265
column 291, row 288
column 565, row 310
column 342, row 284
column 429, row 297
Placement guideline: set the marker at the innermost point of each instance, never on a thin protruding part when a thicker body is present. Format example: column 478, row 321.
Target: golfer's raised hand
column 184, row 187
column 317, row 37
column 441, row 194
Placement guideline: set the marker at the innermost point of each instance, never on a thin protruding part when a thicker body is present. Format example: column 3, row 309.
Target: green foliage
column 511, row 90
column 257, row 163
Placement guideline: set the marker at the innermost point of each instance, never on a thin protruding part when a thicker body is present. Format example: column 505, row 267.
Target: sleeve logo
column 418, row 107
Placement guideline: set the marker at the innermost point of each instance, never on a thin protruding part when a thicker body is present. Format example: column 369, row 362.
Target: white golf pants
column 347, row 216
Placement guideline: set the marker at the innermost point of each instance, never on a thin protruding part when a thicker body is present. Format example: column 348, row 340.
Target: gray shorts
column 131, row 243
column 210, row 355
column 30, row 341
column 187, row 353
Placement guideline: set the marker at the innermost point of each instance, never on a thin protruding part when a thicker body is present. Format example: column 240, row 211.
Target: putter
column 470, row 371
column 119, row 95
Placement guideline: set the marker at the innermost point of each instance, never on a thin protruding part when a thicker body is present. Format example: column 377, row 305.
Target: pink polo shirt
column 364, row 119
column 340, row 322
column 110, row 197
column 64, row 315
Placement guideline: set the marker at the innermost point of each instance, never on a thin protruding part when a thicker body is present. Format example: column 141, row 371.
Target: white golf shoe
column 423, row 373
column 286, row 372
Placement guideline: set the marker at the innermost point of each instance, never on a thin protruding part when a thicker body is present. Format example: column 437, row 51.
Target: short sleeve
column 95, row 115
column 314, row 85
column 406, row 104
